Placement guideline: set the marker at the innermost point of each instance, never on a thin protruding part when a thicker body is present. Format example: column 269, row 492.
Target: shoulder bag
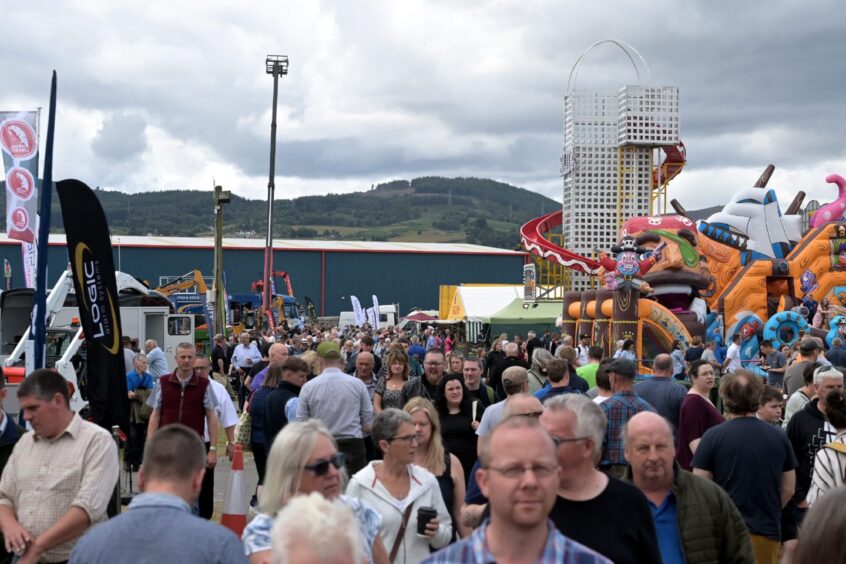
column 401, row 533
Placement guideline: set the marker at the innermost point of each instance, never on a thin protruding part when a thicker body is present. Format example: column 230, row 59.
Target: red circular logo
column 20, row 219
column 18, row 139
column 20, row 182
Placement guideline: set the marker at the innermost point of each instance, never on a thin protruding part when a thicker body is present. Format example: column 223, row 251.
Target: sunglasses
column 321, row 467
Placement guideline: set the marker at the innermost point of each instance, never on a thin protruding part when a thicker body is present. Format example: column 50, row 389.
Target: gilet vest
column 184, row 405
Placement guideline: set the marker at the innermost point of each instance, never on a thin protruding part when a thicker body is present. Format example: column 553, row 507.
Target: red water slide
column 532, row 235
column 676, row 157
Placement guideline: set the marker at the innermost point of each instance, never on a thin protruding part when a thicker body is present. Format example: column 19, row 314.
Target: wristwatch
column 212, row 449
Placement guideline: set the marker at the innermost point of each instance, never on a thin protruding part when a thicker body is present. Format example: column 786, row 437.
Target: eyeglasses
column 532, row 414
column 202, row 368
column 560, row 441
column 433, row 363
column 321, row 467
column 515, row 472
column 408, row 439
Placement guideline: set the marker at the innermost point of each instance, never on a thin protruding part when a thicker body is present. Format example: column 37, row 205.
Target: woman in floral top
column 304, row 458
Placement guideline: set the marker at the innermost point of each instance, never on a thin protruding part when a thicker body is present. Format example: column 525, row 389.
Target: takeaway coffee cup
column 424, row 515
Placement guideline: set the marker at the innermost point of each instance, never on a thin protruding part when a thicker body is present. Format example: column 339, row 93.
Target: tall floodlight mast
column 277, row 65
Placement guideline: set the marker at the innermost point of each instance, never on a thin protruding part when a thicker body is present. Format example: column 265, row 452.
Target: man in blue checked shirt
column 519, row 474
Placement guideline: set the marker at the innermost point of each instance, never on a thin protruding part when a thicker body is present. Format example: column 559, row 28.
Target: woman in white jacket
column 397, row 488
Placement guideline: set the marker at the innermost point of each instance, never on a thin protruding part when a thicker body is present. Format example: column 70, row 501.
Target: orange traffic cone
column 235, row 503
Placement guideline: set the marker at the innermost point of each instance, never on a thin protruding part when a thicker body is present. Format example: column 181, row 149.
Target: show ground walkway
column 221, row 481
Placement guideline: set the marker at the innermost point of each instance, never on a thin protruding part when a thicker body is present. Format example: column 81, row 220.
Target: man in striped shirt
column 519, row 474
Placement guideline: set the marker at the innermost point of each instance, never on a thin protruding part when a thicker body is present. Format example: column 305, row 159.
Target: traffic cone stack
column 235, row 503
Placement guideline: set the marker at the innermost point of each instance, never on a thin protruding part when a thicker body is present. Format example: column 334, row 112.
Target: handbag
column 244, row 428
column 400, row 534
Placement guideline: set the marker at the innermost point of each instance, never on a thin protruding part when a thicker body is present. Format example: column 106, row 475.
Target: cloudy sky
column 161, row 95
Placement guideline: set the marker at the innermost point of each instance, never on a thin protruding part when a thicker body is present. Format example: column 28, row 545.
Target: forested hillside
column 429, row 209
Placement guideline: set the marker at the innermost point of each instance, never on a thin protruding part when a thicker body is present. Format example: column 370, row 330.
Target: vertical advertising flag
column 19, row 142
column 90, row 251
column 360, row 317
column 376, row 310
column 29, row 253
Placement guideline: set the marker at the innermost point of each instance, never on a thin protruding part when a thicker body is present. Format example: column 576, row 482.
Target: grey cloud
column 121, row 137
column 740, row 68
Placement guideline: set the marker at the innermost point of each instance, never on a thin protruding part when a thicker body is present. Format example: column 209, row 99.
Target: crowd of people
column 379, row 446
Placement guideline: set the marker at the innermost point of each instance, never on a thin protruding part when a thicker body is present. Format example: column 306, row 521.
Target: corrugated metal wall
column 410, row 279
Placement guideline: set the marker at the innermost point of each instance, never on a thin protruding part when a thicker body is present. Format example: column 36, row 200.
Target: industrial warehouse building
column 328, row 272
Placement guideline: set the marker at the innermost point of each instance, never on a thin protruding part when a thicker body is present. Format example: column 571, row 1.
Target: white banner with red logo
column 29, row 253
column 19, row 142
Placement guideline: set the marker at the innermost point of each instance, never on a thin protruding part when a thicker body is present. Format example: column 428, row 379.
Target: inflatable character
column 680, row 272
column 621, row 272
column 835, row 210
column 752, row 222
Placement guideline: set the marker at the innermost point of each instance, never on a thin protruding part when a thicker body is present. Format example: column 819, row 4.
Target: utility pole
column 277, row 65
column 218, row 294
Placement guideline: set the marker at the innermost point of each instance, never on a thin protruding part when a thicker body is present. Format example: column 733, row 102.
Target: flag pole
column 39, row 321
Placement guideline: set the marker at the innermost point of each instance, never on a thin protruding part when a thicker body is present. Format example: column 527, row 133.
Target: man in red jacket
column 184, row 397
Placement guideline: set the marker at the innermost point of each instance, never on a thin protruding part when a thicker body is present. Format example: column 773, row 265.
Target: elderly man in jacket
column 695, row 519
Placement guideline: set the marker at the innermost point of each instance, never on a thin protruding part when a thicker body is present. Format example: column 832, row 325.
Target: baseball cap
column 622, row 367
column 328, row 349
column 808, row 346
column 584, row 336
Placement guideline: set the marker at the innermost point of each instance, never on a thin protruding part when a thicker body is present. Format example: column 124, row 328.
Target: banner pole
column 39, row 323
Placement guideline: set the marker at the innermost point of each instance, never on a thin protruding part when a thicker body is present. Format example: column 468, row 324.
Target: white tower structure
column 608, row 160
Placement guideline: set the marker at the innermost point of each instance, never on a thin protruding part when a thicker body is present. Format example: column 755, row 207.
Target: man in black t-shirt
column 752, row 461
column 601, row 512
column 220, row 358
column 220, row 361
column 472, row 373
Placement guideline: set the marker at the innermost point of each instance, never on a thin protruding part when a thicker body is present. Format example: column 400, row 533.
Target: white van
column 387, row 317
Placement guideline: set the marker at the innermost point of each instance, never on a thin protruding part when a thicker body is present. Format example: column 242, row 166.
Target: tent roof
column 480, row 302
column 515, row 313
column 420, row 316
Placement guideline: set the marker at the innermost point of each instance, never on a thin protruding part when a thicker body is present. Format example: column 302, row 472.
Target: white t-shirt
column 733, row 356
column 225, row 410
column 583, row 355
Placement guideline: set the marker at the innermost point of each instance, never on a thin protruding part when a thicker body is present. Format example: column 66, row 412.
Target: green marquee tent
column 515, row 319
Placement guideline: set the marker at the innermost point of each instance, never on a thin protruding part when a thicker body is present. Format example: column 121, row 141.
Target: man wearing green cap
column 341, row 402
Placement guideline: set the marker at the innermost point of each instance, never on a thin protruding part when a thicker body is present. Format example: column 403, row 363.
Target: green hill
column 428, row 209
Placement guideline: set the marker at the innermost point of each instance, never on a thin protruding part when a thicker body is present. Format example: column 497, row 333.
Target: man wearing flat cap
column 341, row 402
column 618, row 409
